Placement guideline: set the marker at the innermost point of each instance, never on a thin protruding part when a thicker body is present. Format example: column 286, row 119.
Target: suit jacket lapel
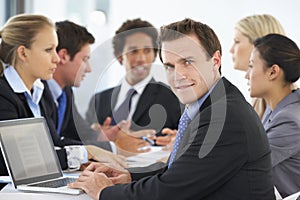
column 288, row 100
column 113, row 99
column 21, row 99
column 49, row 102
column 217, row 94
column 146, row 99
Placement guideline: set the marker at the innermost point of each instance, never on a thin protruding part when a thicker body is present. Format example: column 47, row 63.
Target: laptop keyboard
column 55, row 183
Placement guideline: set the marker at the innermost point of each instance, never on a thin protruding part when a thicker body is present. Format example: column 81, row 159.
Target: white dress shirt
column 139, row 88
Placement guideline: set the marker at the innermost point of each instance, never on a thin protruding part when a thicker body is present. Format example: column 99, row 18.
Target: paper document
column 148, row 158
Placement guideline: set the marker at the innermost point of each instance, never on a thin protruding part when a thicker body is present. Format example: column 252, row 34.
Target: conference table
column 144, row 159
column 9, row 192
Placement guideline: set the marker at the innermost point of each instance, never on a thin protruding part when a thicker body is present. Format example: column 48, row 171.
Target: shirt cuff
column 113, row 147
column 76, row 155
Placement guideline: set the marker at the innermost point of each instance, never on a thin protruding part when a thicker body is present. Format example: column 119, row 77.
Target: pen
column 148, row 140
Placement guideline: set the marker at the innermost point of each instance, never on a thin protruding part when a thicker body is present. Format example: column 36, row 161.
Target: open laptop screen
column 28, row 149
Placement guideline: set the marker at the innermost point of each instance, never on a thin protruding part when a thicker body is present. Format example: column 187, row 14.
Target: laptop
column 30, row 157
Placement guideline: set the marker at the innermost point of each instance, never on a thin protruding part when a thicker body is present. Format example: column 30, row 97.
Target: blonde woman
column 28, row 48
column 246, row 31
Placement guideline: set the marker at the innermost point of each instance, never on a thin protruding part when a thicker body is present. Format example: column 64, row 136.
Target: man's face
column 74, row 70
column 189, row 72
column 137, row 57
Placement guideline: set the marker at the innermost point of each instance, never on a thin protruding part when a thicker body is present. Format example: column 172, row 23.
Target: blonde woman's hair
column 20, row 30
column 256, row 26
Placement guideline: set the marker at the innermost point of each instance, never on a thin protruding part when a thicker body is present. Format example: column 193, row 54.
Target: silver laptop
column 30, row 157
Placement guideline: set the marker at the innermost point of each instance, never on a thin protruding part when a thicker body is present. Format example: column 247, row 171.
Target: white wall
column 58, row 10
column 218, row 14
column 2, row 12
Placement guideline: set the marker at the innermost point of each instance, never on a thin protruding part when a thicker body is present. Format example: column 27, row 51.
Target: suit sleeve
column 8, row 110
column 77, row 128
column 86, row 134
column 90, row 115
column 141, row 172
column 197, row 177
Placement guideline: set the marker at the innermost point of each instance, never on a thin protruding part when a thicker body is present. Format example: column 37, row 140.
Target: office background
column 103, row 17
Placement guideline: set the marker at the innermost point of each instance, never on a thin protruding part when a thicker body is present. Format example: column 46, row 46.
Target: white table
column 141, row 160
column 9, row 192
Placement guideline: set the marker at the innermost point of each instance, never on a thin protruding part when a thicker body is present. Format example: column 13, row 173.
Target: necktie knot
column 183, row 123
column 184, row 118
column 123, row 111
column 130, row 92
column 62, row 103
column 61, row 98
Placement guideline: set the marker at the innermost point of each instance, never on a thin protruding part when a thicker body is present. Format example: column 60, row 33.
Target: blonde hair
column 20, row 30
column 253, row 27
column 256, row 26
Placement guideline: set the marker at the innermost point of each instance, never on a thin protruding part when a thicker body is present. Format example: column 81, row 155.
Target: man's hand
column 106, row 131
column 168, row 139
column 128, row 145
column 125, row 128
column 101, row 155
column 92, row 183
column 116, row 175
column 141, row 133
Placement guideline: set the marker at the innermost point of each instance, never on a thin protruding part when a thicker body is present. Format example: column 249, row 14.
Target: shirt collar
column 54, row 88
column 289, row 99
column 18, row 86
column 139, row 87
column 193, row 108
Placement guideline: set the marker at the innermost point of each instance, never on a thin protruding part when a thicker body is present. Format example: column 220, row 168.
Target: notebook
column 30, row 157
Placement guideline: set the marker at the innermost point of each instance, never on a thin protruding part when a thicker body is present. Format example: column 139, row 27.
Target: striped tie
column 183, row 123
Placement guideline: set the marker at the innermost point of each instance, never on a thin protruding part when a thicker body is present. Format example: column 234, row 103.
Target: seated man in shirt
column 74, row 52
column 221, row 150
column 152, row 104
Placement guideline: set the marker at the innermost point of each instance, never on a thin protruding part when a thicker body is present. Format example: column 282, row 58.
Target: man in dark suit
column 221, row 150
column 73, row 65
column 153, row 105
column 74, row 127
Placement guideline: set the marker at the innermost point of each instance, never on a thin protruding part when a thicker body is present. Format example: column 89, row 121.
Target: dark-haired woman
column 274, row 67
